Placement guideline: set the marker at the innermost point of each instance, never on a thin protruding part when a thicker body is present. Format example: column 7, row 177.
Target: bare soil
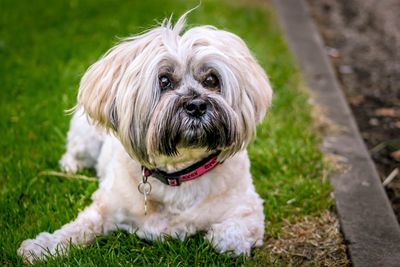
column 362, row 38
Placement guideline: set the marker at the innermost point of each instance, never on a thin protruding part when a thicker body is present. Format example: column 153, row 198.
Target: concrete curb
column 368, row 223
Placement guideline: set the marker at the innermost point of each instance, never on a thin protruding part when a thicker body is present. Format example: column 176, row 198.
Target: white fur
column 222, row 202
column 85, row 140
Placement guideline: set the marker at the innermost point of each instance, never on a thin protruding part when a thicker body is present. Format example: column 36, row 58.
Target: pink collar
column 190, row 173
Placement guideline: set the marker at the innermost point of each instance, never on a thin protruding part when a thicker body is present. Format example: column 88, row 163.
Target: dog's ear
column 255, row 92
column 257, row 86
column 117, row 70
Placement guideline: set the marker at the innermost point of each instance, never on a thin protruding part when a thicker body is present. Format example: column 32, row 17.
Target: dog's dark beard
column 216, row 129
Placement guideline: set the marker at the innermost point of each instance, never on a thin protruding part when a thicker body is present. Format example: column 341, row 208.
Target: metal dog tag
column 145, row 188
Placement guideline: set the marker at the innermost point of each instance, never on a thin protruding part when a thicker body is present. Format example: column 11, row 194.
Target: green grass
column 45, row 47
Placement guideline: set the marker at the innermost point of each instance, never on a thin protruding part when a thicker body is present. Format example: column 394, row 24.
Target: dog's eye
column 165, row 82
column 211, row 81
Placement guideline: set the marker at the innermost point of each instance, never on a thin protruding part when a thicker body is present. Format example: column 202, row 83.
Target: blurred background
column 362, row 39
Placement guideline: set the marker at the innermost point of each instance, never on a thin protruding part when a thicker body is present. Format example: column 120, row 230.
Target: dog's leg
column 238, row 233
column 81, row 231
column 84, row 143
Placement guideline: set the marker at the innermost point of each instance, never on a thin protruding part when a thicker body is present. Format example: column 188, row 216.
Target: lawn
column 46, row 46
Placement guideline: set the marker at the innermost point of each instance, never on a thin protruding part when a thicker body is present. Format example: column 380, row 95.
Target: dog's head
column 163, row 91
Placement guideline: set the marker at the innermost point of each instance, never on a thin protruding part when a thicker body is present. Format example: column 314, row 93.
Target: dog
column 165, row 117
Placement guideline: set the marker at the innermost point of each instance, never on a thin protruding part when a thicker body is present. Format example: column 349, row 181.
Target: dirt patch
column 362, row 38
column 314, row 241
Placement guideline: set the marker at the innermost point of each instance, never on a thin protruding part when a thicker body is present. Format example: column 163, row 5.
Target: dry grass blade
column 391, row 176
column 68, row 175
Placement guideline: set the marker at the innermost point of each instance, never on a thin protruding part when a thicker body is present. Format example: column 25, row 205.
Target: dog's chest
column 178, row 199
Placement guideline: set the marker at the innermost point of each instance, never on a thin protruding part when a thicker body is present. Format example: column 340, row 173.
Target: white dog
column 165, row 118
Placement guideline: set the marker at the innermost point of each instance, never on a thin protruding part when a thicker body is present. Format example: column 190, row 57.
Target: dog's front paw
column 38, row 248
column 69, row 164
column 31, row 250
column 230, row 237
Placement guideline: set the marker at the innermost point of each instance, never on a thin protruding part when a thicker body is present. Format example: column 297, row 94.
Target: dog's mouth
column 213, row 131
column 205, row 132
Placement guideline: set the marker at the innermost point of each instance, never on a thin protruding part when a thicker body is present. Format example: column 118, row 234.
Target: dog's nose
column 196, row 107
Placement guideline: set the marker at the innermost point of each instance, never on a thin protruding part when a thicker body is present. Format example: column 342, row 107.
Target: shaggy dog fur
column 165, row 100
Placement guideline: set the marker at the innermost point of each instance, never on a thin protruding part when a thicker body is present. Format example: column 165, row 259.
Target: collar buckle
column 173, row 181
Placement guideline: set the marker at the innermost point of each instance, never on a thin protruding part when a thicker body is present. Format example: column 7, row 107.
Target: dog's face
column 162, row 91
